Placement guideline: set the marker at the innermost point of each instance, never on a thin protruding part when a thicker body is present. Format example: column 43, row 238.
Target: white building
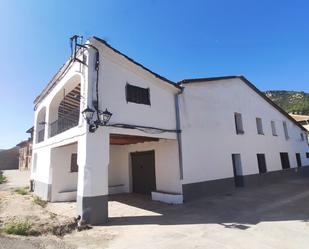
column 302, row 120
column 176, row 141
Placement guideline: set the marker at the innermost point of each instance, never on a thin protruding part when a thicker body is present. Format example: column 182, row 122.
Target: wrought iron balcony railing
column 41, row 134
column 64, row 123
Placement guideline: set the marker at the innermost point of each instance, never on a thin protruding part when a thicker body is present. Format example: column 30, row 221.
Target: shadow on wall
column 288, row 200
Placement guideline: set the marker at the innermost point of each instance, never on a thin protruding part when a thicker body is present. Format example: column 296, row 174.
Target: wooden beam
column 119, row 139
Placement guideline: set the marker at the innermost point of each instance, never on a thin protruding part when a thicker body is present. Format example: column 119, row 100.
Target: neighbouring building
column 303, row 120
column 25, row 151
column 105, row 124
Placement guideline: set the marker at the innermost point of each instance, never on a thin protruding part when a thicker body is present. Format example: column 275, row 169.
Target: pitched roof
column 51, row 84
column 22, row 144
column 300, row 118
column 248, row 83
column 136, row 63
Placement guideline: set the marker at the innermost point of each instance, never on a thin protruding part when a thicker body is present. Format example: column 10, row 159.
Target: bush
column 37, row 200
column 2, row 179
column 18, row 227
column 21, row 191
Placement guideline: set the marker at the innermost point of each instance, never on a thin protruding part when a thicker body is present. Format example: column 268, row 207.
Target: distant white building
column 302, row 120
column 174, row 141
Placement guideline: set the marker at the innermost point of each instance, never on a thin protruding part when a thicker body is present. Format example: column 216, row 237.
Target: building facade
column 302, row 120
column 25, row 152
column 172, row 141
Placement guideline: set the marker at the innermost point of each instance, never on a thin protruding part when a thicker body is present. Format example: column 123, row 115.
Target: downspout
column 178, row 128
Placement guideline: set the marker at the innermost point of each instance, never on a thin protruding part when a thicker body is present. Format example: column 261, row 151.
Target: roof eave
column 251, row 85
column 138, row 64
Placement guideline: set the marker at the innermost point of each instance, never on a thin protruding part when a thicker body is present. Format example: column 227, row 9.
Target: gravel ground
column 18, row 242
column 274, row 216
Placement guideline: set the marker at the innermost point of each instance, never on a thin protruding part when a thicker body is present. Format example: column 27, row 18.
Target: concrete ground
column 15, row 179
column 274, row 216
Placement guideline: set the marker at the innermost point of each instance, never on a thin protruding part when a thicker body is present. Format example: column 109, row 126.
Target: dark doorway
column 143, row 172
column 237, row 169
column 298, row 159
column 285, row 162
column 261, row 163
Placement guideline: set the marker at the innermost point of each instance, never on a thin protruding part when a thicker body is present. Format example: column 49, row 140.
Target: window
column 34, row 162
column 273, row 128
column 259, row 126
column 238, row 123
column 302, row 138
column 285, row 128
column 307, row 154
column 74, row 166
column 137, row 94
column 261, row 163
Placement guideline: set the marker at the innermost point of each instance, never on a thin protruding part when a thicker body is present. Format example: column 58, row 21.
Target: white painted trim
column 167, row 197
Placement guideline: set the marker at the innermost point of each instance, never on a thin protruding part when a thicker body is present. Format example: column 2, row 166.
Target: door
column 298, row 159
column 237, row 169
column 285, row 162
column 143, row 172
column 261, row 163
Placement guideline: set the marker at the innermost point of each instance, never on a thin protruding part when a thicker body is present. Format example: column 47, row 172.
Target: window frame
column 73, row 167
column 259, row 126
column 285, row 130
column 130, row 99
column 273, row 128
column 239, row 123
column 302, row 137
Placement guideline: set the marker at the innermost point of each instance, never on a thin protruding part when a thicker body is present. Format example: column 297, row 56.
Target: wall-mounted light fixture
column 103, row 118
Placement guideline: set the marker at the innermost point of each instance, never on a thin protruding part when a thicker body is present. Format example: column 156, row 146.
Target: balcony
column 65, row 122
column 41, row 134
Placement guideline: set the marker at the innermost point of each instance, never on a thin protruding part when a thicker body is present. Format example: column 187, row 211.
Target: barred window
column 137, row 94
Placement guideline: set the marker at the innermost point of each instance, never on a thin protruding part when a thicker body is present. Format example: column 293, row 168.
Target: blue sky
column 267, row 41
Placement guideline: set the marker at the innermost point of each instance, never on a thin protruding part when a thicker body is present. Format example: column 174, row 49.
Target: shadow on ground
column 288, row 200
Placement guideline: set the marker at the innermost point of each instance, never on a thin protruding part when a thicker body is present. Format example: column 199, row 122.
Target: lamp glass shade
column 105, row 116
column 88, row 114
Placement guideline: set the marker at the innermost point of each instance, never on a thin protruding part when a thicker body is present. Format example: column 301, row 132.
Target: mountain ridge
column 296, row 102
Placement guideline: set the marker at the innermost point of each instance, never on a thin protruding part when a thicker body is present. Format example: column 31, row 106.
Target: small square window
column 137, row 94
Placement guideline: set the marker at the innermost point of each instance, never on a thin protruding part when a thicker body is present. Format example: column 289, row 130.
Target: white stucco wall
column 64, row 182
column 307, row 128
column 116, row 71
column 41, row 170
column 209, row 137
column 166, row 165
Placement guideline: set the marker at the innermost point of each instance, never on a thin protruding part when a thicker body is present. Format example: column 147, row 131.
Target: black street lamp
column 103, row 118
column 88, row 114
